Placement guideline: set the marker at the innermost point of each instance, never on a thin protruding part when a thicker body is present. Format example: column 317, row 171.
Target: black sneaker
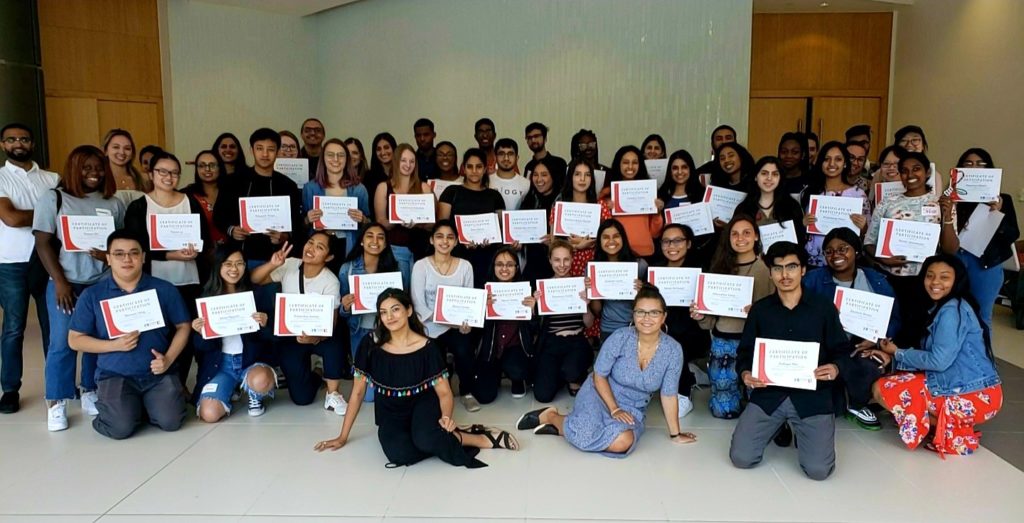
column 784, row 436
column 9, row 402
column 518, row 388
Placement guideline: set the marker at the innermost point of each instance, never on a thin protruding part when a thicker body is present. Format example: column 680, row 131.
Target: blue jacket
column 819, row 281
column 357, row 191
column 952, row 354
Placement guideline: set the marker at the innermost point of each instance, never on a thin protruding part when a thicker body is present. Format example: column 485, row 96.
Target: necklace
column 645, row 357
column 437, row 266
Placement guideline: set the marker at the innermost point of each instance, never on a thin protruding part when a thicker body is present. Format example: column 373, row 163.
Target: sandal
column 473, row 429
column 502, row 440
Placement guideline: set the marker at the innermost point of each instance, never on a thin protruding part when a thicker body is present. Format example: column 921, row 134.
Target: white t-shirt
column 23, row 189
column 512, row 190
column 324, row 283
column 177, row 272
column 231, row 345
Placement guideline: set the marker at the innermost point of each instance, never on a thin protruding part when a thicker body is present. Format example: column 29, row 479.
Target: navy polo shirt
column 87, row 319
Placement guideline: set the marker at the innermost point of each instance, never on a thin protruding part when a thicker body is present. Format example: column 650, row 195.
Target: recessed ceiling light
column 823, row 4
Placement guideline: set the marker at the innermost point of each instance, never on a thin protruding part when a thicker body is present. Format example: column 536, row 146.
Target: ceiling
column 834, row 6
column 285, row 7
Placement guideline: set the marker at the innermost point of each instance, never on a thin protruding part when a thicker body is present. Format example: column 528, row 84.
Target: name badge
column 929, row 210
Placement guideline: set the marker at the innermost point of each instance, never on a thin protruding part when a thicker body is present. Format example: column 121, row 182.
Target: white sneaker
column 334, row 401
column 57, row 416
column 685, row 405
column 256, row 407
column 471, row 404
column 89, row 400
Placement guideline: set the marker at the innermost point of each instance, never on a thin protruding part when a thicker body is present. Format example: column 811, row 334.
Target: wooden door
column 832, row 116
column 70, row 122
column 769, row 119
column 139, row 118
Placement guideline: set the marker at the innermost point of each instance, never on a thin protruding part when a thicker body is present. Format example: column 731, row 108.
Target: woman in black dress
column 413, row 404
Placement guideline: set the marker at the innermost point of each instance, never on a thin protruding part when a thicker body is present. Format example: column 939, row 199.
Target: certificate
column 863, row 314
column 415, row 208
column 335, row 209
column 260, row 214
column 724, row 294
column 438, row 185
column 173, row 232
column 580, row 219
column 697, row 216
column 657, row 169
column 776, row 232
column 975, row 185
column 524, row 226
column 678, row 285
column 507, row 300
column 367, row 287
column 298, row 314
column 296, row 169
column 599, row 177
column 981, row 227
column 786, row 363
column 83, row 233
column 634, row 197
column 886, row 190
column 458, row 305
column 723, row 201
column 833, row 212
column 915, row 240
column 612, row 280
column 478, row 228
column 560, row 296
column 227, row 315
column 134, row 312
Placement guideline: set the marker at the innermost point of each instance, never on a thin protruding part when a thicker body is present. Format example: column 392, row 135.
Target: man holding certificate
column 137, row 339
column 790, row 383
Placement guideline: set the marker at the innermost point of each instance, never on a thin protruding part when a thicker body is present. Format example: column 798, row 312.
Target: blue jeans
column 405, row 261
column 61, row 360
column 16, row 286
column 229, row 377
column 356, row 336
column 985, row 284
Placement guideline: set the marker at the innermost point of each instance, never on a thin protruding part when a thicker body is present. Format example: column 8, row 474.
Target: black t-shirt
column 468, row 201
column 557, row 165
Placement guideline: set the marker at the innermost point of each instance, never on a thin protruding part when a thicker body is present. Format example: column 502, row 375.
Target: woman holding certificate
column 888, row 172
column 767, row 200
column 738, row 254
column 230, row 360
column 407, row 240
column 831, row 177
column 332, row 180
column 613, row 246
column 74, row 262
column 413, row 409
column 682, row 185
column 544, row 189
column 641, row 228
column 441, row 268
column 579, row 187
column 472, row 197
column 947, row 385
column 178, row 248
column 383, row 148
column 635, row 362
column 209, row 179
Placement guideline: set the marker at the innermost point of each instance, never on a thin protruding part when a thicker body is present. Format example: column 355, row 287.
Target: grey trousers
column 123, row 402
column 815, row 435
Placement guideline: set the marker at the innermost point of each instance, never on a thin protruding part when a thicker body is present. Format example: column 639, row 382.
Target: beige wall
column 959, row 72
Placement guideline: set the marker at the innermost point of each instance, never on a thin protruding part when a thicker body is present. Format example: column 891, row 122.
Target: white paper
column 980, row 228
column 975, row 185
column 560, row 296
column 173, row 232
column 83, row 233
column 528, row 226
column 1013, row 262
column 367, row 287
column 657, row 169
column 507, row 300
column 697, row 216
column 634, row 197
column 458, row 305
column 833, row 212
column 785, row 363
column 678, row 285
column 863, row 314
column 723, row 201
column 260, row 214
column 886, row 190
column 296, row 169
column 415, row 208
column 133, row 312
column 295, row 314
column 580, row 219
column 915, row 240
column 599, row 177
column 227, row 315
column 724, row 294
column 776, row 232
column 478, row 228
column 612, row 280
column 438, row 186
column 335, row 209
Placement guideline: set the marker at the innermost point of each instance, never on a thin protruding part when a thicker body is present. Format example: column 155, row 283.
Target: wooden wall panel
column 770, row 118
column 834, row 115
column 83, row 61
column 140, row 118
column 70, row 122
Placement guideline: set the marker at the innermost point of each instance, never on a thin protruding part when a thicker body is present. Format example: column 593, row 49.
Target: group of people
column 934, row 369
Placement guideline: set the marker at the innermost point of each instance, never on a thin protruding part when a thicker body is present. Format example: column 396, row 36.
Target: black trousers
column 513, row 363
column 914, row 304
column 560, row 360
column 856, row 376
column 188, row 293
column 463, row 348
column 123, row 402
column 409, row 441
column 296, row 362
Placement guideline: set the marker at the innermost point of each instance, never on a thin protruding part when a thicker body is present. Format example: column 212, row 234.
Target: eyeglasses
column 534, row 136
column 585, row 146
column 24, row 140
column 641, row 314
column 506, row 154
column 122, row 255
column 673, row 242
column 840, row 251
column 289, row 147
column 789, row 268
column 910, row 141
column 315, row 130
column 206, row 166
column 890, row 165
column 505, row 265
column 972, row 163
column 165, row 173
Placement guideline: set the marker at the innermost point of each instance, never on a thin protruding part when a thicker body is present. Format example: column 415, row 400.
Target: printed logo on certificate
column 723, row 201
column 529, row 226
column 174, row 232
column 84, row 233
column 298, row 314
column 724, row 294
column 975, row 185
column 776, row 232
column 915, row 240
column 634, row 197
column 612, row 280
column 506, row 301
column 335, row 209
column 784, row 363
column 414, row 208
column 697, row 216
column 457, row 305
column 260, row 214
column 227, row 315
column 833, row 212
column 366, row 288
column 678, row 285
column 560, row 296
column 478, row 228
column 296, row 169
column 863, row 314
column 130, row 313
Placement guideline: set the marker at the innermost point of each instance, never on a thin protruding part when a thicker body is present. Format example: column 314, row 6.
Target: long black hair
column 803, row 165
column 694, row 189
column 215, row 286
column 816, row 183
column 725, row 260
column 567, row 189
column 386, row 262
column 196, row 187
column 784, row 207
column 535, row 200
column 961, row 291
column 381, row 334
column 492, row 274
column 615, row 171
column 964, row 209
column 625, row 253
column 720, row 178
column 239, row 163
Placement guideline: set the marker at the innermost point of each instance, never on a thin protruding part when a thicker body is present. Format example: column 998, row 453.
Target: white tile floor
column 263, row 470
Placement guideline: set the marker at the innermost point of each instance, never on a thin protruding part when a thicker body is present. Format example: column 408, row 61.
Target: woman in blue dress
column 634, row 363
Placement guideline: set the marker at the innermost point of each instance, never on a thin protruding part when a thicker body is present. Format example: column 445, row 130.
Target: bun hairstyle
column 650, row 292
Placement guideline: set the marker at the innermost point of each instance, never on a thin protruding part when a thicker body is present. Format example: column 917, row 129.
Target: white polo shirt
column 23, row 189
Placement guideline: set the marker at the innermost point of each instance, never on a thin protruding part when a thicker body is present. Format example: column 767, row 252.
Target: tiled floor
column 264, row 470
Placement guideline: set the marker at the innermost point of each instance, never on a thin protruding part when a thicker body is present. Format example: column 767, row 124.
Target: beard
column 20, row 155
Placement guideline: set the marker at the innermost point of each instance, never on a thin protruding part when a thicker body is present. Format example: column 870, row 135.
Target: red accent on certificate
column 506, row 300
column 367, row 287
column 173, row 232
column 139, row 311
column 833, row 212
column 975, row 185
column 579, row 219
column 458, row 305
column 528, row 226
column 612, row 280
column 724, row 294
column 785, row 363
column 723, row 201
column 886, row 190
column 335, row 209
column 776, row 232
column 915, row 240
column 84, row 233
column 560, row 296
column 678, row 285
column 309, row 314
column 414, row 208
column 634, row 197
column 697, row 216
column 863, row 314
column 478, row 228
column 259, row 214
column 227, row 315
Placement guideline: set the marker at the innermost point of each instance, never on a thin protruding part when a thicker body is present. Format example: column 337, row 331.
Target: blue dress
column 590, row 427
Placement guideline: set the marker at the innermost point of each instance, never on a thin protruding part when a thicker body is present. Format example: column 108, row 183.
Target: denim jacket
column 819, row 281
column 953, row 353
